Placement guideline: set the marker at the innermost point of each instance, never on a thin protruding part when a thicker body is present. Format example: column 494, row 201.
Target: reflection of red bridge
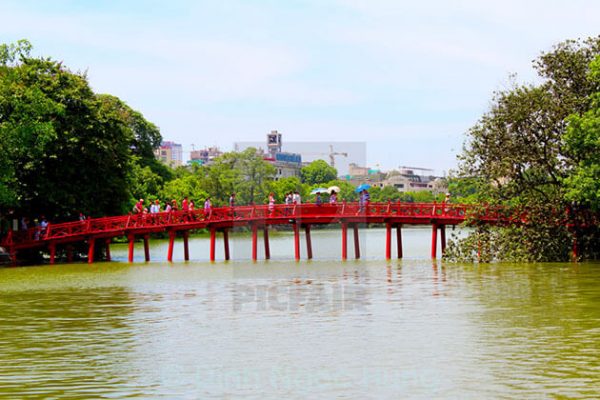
column 102, row 230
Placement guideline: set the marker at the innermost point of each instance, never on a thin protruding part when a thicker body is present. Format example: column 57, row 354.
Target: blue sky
column 406, row 78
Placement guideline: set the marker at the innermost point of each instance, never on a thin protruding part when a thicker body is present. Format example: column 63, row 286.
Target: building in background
column 170, row 153
column 286, row 164
column 204, row 156
column 404, row 179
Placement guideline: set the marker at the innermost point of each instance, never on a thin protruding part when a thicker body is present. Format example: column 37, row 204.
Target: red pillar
column 52, row 247
column 434, row 228
column 356, row 242
column 254, row 242
column 171, row 245
column 308, row 242
column 296, row 242
column 226, row 243
column 91, row 250
column 213, row 238
column 186, row 248
column 69, row 253
column 131, row 243
column 388, row 241
column 399, row 240
column 443, row 238
column 107, row 243
column 344, row 241
column 266, row 238
column 13, row 256
column 146, row 248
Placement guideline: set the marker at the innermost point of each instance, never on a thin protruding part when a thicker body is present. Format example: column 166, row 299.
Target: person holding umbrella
column 364, row 197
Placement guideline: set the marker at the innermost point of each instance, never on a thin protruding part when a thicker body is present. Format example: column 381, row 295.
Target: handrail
column 452, row 213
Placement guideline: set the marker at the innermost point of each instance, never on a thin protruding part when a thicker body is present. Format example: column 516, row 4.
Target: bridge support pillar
column 344, row 241
column 186, row 248
column 213, row 238
column 12, row 253
column 266, row 239
column 399, row 240
column 91, row 249
column 434, row 229
column 171, row 244
column 107, row 244
column 443, row 238
column 69, row 250
column 131, row 239
column 309, row 253
column 52, row 247
column 296, row 242
column 254, row 242
column 147, row 248
column 226, row 243
column 356, row 242
column 388, row 241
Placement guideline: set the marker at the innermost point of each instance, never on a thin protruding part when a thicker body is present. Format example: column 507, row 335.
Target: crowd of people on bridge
column 290, row 198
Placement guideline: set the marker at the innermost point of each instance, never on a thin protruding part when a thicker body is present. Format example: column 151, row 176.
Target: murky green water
column 280, row 329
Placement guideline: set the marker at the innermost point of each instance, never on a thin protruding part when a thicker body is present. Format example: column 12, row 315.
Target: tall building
column 170, row 153
column 286, row 164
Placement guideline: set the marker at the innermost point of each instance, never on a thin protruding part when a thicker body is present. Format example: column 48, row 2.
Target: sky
column 406, row 78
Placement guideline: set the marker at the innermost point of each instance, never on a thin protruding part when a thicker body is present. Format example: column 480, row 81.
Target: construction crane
column 332, row 155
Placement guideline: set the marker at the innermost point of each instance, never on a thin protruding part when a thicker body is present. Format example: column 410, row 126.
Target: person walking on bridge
column 271, row 207
column 333, row 198
column 232, row 204
column 207, row 208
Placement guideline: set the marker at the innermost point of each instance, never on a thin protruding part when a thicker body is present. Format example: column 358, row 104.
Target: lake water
column 367, row 329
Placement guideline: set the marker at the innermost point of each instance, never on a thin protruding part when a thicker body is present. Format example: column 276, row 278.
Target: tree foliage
column 582, row 144
column 64, row 148
column 318, row 172
column 525, row 149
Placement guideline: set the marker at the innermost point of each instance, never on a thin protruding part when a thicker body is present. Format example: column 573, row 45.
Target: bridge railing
column 258, row 212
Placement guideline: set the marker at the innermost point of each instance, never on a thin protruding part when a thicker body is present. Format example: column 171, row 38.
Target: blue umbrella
column 364, row 186
column 318, row 190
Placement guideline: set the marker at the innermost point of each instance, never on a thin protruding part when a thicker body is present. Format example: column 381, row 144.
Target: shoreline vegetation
column 66, row 151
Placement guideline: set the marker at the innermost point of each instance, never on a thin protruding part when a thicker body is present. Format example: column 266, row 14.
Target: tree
column 318, row 172
column 64, row 148
column 582, row 143
column 522, row 152
column 286, row 185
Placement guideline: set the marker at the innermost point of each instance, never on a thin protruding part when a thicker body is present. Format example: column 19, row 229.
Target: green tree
column 520, row 153
column 64, row 148
column 286, row 185
column 318, row 172
column 582, row 144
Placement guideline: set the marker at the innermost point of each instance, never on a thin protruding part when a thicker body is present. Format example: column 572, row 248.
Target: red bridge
column 100, row 231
